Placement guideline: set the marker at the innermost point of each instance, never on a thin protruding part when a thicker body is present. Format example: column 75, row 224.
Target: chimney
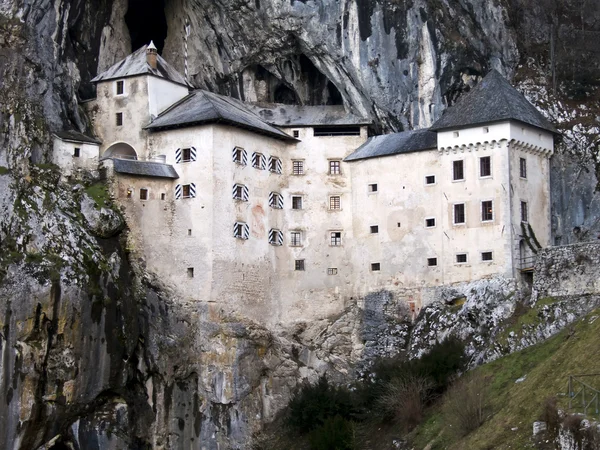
column 152, row 55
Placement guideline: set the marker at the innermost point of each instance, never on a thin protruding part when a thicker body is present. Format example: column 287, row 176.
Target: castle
column 283, row 213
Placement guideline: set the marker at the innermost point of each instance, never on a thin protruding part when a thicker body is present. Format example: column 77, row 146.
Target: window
column 487, row 211
column 76, row 152
column 486, row 130
column 430, row 179
column 275, row 200
column 275, row 165
column 335, row 167
column 240, row 192
column 375, row 267
column 296, row 202
column 297, row 167
column 143, row 194
column 524, row 212
column 335, row 202
column 335, row 238
column 336, row 131
column 119, row 119
column 299, row 264
column 189, row 231
column 275, row 237
column 459, row 213
column 190, row 272
column 432, row 262
column 458, row 171
column 522, row 167
column 430, row 222
column 120, row 87
column 332, row 271
column 456, row 134
column 240, row 156
column 163, row 196
column 185, row 191
column 296, row 238
column 372, row 187
column 259, row 161
column 461, row 258
column 296, row 133
column 485, row 166
column 486, row 256
column 186, row 154
column 241, row 230
column 374, row 229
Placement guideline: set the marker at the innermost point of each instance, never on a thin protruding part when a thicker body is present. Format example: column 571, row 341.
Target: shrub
column 313, row 404
column 336, row 433
column 551, row 417
column 404, row 400
column 466, row 404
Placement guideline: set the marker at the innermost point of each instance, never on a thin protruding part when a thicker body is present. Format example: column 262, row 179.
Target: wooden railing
column 583, row 397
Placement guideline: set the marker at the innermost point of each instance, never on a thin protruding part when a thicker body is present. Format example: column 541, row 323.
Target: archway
column 120, row 150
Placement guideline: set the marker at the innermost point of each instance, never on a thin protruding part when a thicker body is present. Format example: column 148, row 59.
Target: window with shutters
column 275, row 165
column 259, row 161
column 143, row 194
column 459, row 214
column 275, row 237
column 487, row 211
column 240, row 156
column 458, row 170
column 335, row 167
column 241, row 230
column 240, row 192
column 335, row 202
column 335, row 238
column 485, row 166
column 186, row 155
column 296, row 238
column 185, row 191
column 296, row 202
column 298, row 167
column 299, row 264
column 183, row 155
column 276, row 200
column 522, row 167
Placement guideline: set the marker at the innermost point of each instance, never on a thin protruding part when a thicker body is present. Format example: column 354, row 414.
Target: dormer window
column 120, row 87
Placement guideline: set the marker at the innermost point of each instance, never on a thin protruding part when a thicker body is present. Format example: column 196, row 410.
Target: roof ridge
column 210, row 100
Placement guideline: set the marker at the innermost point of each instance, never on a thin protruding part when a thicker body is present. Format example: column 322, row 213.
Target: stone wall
column 567, row 270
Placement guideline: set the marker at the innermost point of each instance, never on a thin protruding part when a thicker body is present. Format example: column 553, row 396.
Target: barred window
column 336, row 238
column 143, row 194
column 332, row 271
column 461, row 258
column 431, row 262
column 335, row 202
column 335, row 167
column 296, row 202
column 299, row 264
column 296, row 238
column 523, row 167
column 486, row 256
column 298, row 167
column 487, row 211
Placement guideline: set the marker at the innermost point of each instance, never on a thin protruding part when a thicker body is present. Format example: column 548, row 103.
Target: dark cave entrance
column 146, row 22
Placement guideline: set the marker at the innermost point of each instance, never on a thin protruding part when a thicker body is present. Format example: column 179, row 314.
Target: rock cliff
column 95, row 353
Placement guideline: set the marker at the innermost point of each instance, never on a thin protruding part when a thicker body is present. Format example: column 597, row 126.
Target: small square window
column 458, row 170
column 120, row 87
column 332, row 271
column 459, row 213
column 143, row 194
column 372, row 187
column 296, row 133
column 456, row 134
column 296, row 238
column 486, row 130
column 299, row 264
column 296, row 202
column 76, row 152
column 119, row 119
column 335, row 238
column 487, row 211
column 429, row 223
column 522, row 167
column 190, row 272
column 335, row 202
column 374, row 229
column 189, row 231
column 430, row 179
column 375, row 267
column 432, row 262
column 485, row 166
column 335, row 167
column 524, row 212
column 298, row 167
column 486, row 256
column 461, row 258
column 163, row 196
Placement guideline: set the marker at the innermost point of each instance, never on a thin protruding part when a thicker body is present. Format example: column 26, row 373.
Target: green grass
column 575, row 350
column 4, row 170
column 99, row 192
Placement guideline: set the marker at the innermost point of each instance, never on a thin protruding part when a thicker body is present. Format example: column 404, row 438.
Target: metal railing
column 582, row 396
column 158, row 159
column 526, row 263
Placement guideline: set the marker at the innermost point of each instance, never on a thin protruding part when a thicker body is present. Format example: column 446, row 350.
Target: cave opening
column 146, row 21
column 284, row 94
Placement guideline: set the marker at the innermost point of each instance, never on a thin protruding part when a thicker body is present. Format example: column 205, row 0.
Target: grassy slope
column 575, row 350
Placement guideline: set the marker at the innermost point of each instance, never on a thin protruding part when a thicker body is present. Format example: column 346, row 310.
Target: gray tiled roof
column 136, row 64
column 76, row 136
column 144, row 168
column 395, row 143
column 305, row 116
column 205, row 107
column 492, row 100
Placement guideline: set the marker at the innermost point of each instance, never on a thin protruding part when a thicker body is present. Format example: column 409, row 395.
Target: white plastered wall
column 64, row 156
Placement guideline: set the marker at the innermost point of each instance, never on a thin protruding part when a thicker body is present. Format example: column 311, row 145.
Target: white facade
column 72, row 155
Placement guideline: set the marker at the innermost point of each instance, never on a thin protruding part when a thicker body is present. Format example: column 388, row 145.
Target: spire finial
column 152, row 55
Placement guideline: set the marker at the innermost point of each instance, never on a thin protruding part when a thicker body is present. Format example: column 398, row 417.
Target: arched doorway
column 120, row 150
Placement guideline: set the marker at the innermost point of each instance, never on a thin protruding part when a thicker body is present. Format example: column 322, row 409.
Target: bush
column 336, row 433
column 551, row 417
column 404, row 400
column 314, row 404
column 466, row 405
